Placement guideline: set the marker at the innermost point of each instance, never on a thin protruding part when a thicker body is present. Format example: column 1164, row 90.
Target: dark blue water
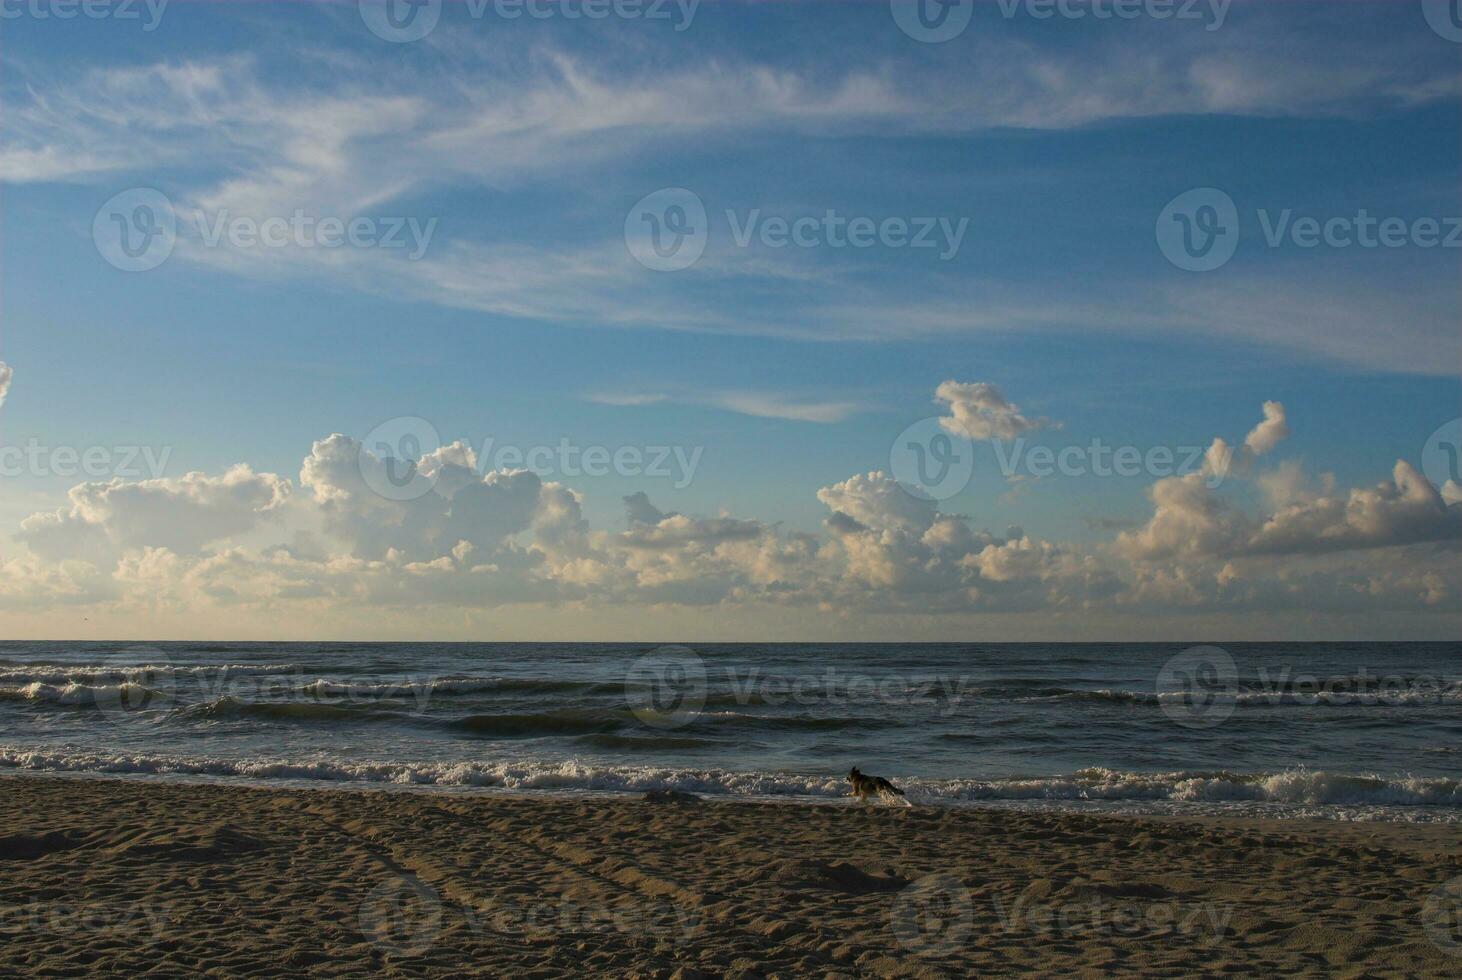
column 1334, row 729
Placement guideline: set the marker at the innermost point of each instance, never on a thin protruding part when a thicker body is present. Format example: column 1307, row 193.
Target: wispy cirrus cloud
column 758, row 404
column 228, row 135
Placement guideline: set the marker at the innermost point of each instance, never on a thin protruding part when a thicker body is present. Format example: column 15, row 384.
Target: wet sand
column 124, row 877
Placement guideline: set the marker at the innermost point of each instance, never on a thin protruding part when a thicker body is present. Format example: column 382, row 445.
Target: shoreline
column 116, row 875
column 427, row 779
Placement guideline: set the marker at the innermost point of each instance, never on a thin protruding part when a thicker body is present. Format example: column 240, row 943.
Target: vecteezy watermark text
column 669, row 229
column 1211, row 12
column 937, row 21
column 93, row 462
column 147, row 12
column 393, row 458
column 404, row 915
column 671, row 686
column 934, row 916
column 1205, row 921
column 137, row 230
column 302, row 230
column 934, row 463
column 833, row 230
column 403, row 21
column 566, row 458
column 37, row 918
column 1096, row 458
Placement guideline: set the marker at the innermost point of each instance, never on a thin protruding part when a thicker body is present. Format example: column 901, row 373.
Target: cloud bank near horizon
column 330, row 541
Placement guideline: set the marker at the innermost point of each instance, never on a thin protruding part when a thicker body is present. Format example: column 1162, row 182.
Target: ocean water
column 1341, row 730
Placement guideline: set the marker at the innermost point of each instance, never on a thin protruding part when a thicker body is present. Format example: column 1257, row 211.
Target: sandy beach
column 124, row 877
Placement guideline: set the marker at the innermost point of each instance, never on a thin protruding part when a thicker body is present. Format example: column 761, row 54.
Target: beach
column 109, row 876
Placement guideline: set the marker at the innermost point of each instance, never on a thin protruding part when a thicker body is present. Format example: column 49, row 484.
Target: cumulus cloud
column 456, row 507
column 1268, row 433
column 641, row 513
column 5, row 375
column 876, row 500
column 980, row 411
column 474, row 539
column 1407, row 509
column 1188, row 519
column 181, row 514
column 1191, row 520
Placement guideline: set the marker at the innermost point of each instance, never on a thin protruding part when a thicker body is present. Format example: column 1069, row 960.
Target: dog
column 868, row 786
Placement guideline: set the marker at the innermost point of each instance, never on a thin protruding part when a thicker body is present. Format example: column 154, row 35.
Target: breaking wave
column 1293, row 787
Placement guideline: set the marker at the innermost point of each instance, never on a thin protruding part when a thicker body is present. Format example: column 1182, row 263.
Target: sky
column 730, row 320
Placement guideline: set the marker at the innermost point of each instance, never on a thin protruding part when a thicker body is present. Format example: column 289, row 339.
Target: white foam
column 1411, row 696
column 64, row 673
column 1300, row 792
column 72, row 693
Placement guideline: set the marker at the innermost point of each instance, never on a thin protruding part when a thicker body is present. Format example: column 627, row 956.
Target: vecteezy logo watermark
column 135, row 686
column 933, row 916
column 136, row 229
column 1198, row 688
column 666, row 688
column 1199, row 229
column 1211, row 12
column 400, row 21
column 402, row 915
column 930, row 461
column 932, row 21
column 1445, row 17
column 1441, row 457
column 667, row 231
column 93, row 462
column 390, row 454
column 147, row 12
column 1441, row 917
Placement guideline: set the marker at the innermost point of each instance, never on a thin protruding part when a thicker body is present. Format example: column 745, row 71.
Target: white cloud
column 476, row 540
column 1269, row 433
column 1191, row 520
column 181, row 514
column 328, row 144
column 774, row 406
column 623, row 399
column 758, row 404
column 1406, row 509
column 978, row 410
column 6, row 373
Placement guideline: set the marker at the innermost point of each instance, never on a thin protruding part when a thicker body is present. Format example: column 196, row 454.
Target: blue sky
column 1056, row 142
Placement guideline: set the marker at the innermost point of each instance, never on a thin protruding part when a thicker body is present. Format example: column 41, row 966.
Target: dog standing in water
column 867, row 786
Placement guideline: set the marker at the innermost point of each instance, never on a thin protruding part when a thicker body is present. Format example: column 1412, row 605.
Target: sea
column 1349, row 731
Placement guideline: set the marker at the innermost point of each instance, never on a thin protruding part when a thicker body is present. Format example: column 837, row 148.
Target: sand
column 124, row 877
